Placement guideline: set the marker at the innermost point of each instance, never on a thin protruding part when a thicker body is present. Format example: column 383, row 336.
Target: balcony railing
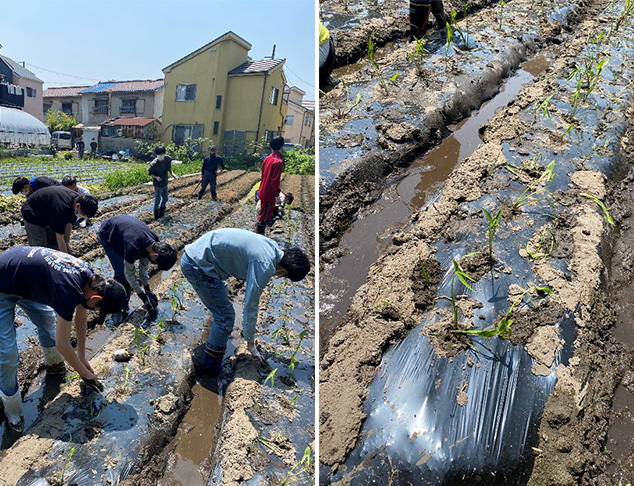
column 126, row 110
column 100, row 110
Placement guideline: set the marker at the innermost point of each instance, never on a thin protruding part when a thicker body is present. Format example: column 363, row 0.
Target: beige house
column 17, row 74
column 66, row 100
column 299, row 126
column 219, row 93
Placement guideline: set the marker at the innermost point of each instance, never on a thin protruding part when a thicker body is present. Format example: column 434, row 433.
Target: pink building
column 16, row 73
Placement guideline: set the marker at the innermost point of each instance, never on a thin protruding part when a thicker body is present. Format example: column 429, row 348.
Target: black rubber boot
column 419, row 18
column 260, row 227
column 156, row 214
column 161, row 212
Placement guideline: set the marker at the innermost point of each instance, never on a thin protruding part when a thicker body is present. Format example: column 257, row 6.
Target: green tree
column 58, row 121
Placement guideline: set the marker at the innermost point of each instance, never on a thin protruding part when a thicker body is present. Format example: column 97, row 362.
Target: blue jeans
column 117, row 263
column 215, row 295
column 42, row 316
column 160, row 197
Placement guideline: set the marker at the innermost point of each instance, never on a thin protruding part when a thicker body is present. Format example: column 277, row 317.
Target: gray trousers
column 40, row 235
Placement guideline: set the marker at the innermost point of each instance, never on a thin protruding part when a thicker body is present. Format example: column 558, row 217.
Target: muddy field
column 487, row 189
column 158, row 421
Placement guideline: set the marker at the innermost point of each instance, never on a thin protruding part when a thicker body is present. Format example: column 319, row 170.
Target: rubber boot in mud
column 212, row 362
column 418, row 18
column 156, row 214
column 13, row 410
column 161, row 212
column 438, row 12
column 53, row 361
column 260, row 228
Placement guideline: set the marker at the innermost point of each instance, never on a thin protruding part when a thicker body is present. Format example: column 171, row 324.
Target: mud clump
column 425, row 279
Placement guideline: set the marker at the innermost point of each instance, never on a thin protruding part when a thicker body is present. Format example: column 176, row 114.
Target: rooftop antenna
column 272, row 56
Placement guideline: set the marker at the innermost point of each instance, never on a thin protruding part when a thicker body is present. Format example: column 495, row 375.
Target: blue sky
column 134, row 39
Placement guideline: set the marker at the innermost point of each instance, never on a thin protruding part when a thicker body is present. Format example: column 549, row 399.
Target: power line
column 61, row 74
column 311, row 85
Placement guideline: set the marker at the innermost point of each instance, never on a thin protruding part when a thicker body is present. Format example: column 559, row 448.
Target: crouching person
column 230, row 252
column 127, row 240
column 49, row 286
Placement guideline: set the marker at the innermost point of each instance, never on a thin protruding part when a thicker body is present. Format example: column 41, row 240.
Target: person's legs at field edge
column 164, row 196
column 203, row 185
column 266, row 214
column 119, row 270
column 43, row 317
column 9, row 361
column 214, row 294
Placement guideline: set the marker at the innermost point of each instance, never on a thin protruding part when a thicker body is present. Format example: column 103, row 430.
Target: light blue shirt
column 241, row 254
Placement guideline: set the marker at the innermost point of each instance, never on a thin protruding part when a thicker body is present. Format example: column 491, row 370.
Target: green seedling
column 271, row 376
column 291, row 366
column 418, row 56
column 536, row 254
column 343, row 112
column 377, row 70
column 69, row 456
column 503, row 328
column 294, row 398
column 628, row 8
column 304, row 473
column 463, row 277
column 449, row 37
column 534, row 188
column 501, row 13
column 606, row 210
column 492, row 227
column 568, row 130
column 543, row 107
column 587, row 76
column 424, row 270
column 137, row 343
column 464, row 35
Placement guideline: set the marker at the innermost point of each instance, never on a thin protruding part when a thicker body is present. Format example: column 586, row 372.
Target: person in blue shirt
column 27, row 187
column 52, row 288
column 220, row 254
column 208, row 173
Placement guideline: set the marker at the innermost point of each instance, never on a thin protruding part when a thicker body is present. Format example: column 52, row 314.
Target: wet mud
column 153, row 427
column 406, row 396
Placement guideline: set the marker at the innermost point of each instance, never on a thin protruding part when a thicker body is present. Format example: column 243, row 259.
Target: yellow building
column 218, row 92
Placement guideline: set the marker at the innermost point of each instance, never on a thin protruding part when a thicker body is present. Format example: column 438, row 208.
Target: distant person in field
column 49, row 286
column 419, row 11
column 93, row 149
column 270, row 184
column 159, row 169
column 230, row 252
column 22, row 185
column 71, row 182
column 209, row 171
column 127, row 240
column 49, row 215
column 80, row 146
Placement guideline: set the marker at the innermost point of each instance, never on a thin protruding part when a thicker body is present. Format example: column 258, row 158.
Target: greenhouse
column 18, row 127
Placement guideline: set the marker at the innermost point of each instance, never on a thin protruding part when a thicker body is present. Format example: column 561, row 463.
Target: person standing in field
column 231, row 252
column 209, row 170
column 49, row 215
column 81, row 146
column 49, row 286
column 93, row 149
column 270, row 184
column 127, row 240
column 159, row 169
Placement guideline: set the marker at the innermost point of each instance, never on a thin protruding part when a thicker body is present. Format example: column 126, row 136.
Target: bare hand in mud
column 94, row 384
column 256, row 354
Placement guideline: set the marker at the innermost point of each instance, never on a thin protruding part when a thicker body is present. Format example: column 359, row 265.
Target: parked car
column 291, row 146
column 61, row 140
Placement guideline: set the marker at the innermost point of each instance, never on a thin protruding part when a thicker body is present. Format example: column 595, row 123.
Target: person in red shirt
column 270, row 184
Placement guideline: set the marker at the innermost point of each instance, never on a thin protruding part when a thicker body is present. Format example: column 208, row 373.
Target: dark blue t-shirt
column 128, row 236
column 51, row 206
column 45, row 276
column 40, row 182
column 211, row 163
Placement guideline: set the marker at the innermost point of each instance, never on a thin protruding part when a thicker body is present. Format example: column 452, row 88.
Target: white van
column 61, row 140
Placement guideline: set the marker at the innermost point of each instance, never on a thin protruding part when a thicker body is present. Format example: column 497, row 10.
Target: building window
column 128, row 106
column 101, row 107
column 47, row 106
column 67, row 108
column 185, row 92
column 309, row 121
column 31, row 92
column 216, row 128
column 289, row 119
column 274, row 94
column 107, row 131
column 218, row 102
column 180, row 133
column 233, row 142
column 269, row 134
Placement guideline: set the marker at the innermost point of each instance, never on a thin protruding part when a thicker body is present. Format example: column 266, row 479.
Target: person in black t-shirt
column 93, row 149
column 208, row 175
column 29, row 186
column 159, row 168
column 49, row 215
column 126, row 240
column 81, row 146
column 49, row 286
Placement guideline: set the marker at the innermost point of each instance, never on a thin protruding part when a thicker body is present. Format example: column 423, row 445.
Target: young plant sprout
column 343, row 112
column 463, row 277
column 543, row 107
column 536, row 254
column 464, row 35
column 494, row 222
column 501, row 13
column 271, row 376
column 291, row 367
column 418, row 56
column 377, row 70
column 294, row 477
column 534, row 188
column 449, row 37
column 604, row 209
column 424, row 270
column 503, row 328
column 69, row 456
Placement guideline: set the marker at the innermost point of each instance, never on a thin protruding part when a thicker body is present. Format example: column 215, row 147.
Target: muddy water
column 405, row 193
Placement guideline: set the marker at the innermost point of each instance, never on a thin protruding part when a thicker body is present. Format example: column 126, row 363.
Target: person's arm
column 173, row 175
column 274, row 181
column 62, row 343
column 222, row 165
column 81, row 324
column 255, row 286
column 63, row 240
column 144, row 275
column 151, row 170
column 130, row 276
